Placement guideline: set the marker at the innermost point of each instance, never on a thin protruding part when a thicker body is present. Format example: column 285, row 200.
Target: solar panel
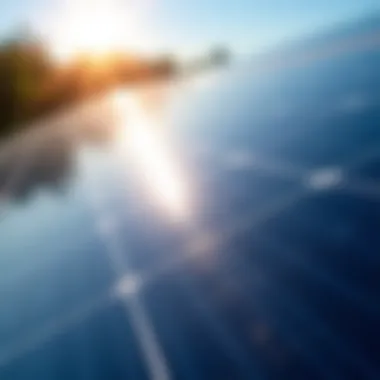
column 271, row 272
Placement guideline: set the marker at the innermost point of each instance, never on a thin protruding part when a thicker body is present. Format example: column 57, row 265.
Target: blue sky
column 251, row 23
column 195, row 24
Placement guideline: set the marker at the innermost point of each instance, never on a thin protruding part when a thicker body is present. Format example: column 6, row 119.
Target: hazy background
column 188, row 26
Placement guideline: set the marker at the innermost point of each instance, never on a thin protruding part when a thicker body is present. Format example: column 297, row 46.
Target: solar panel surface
column 275, row 272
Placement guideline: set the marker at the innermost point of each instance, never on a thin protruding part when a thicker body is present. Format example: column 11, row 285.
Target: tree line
column 32, row 85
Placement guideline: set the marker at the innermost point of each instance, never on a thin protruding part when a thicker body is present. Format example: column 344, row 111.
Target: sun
column 94, row 27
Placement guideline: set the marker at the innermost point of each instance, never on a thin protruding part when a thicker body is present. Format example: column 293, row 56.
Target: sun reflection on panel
column 142, row 140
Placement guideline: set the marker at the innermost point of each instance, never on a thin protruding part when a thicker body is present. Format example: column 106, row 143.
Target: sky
column 188, row 26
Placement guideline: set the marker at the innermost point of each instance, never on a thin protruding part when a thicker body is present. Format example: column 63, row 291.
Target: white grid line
column 53, row 328
column 143, row 328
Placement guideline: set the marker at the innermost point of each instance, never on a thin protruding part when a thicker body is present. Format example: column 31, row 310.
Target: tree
column 220, row 55
column 23, row 66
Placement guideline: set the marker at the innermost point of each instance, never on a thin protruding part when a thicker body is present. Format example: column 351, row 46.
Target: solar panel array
column 278, row 277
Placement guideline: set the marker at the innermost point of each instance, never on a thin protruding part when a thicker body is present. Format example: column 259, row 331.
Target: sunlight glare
column 144, row 141
column 94, row 27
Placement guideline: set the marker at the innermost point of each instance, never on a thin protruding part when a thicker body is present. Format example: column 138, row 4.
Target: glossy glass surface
column 221, row 227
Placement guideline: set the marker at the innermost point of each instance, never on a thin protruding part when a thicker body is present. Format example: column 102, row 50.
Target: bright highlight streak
column 146, row 145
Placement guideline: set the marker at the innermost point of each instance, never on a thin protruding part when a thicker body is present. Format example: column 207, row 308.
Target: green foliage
column 31, row 86
column 23, row 66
